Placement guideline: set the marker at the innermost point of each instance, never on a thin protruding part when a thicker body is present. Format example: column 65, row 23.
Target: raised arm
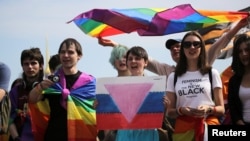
column 107, row 42
column 153, row 65
column 216, row 48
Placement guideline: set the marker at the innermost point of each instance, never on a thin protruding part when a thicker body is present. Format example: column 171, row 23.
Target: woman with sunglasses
column 191, row 101
column 239, row 86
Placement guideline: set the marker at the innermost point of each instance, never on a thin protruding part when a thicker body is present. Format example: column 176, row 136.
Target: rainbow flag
column 212, row 33
column 39, row 114
column 188, row 128
column 151, row 21
column 81, row 114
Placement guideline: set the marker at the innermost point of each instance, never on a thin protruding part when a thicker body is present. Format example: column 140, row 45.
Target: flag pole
column 47, row 57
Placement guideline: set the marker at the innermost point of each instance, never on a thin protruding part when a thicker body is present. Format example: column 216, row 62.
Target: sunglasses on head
column 188, row 44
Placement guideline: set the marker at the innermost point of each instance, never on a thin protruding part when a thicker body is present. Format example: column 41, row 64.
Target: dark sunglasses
column 188, row 44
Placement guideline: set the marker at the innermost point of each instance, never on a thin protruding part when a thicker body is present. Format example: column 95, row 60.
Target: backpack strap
column 175, row 78
column 211, row 82
column 5, row 107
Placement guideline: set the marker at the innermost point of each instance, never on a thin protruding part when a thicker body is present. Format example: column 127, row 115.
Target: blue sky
column 27, row 23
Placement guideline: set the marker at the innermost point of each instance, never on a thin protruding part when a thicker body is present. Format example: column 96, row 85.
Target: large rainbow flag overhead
column 151, row 21
column 80, row 112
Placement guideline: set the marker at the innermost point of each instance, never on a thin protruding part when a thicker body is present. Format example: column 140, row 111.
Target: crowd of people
column 193, row 99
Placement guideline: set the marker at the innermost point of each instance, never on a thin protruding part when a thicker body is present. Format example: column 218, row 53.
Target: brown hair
column 137, row 51
column 236, row 64
column 33, row 54
column 70, row 41
column 181, row 67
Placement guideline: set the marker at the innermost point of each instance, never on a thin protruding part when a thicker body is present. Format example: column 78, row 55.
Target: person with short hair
column 54, row 63
column 72, row 113
column 20, row 121
column 137, row 60
column 118, row 61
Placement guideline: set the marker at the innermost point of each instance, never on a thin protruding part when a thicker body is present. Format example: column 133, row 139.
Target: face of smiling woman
column 192, row 47
column 136, row 65
column 120, row 64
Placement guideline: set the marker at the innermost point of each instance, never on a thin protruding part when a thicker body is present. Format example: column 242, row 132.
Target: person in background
column 71, row 96
column 118, row 61
column 239, row 86
column 20, row 122
column 191, row 101
column 5, row 74
column 54, row 63
column 137, row 60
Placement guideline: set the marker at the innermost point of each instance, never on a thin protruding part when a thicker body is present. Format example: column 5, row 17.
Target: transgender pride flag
column 130, row 102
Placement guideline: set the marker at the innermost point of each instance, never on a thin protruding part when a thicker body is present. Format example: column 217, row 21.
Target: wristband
column 214, row 110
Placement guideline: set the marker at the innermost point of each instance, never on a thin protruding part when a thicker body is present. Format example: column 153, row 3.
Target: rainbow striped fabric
column 81, row 114
column 39, row 114
column 189, row 128
column 212, row 33
column 151, row 21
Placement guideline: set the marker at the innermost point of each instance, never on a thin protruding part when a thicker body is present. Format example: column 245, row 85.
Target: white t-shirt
column 244, row 94
column 193, row 89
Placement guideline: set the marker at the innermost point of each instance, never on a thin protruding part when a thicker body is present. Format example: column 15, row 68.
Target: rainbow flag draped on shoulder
column 39, row 114
column 80, row 112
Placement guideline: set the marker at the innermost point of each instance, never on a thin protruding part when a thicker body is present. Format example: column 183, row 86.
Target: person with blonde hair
column 20, row 127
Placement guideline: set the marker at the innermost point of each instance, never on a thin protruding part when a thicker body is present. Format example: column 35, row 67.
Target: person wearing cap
column 171, row 44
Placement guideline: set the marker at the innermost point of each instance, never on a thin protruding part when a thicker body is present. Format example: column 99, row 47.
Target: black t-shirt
column 57, row 126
